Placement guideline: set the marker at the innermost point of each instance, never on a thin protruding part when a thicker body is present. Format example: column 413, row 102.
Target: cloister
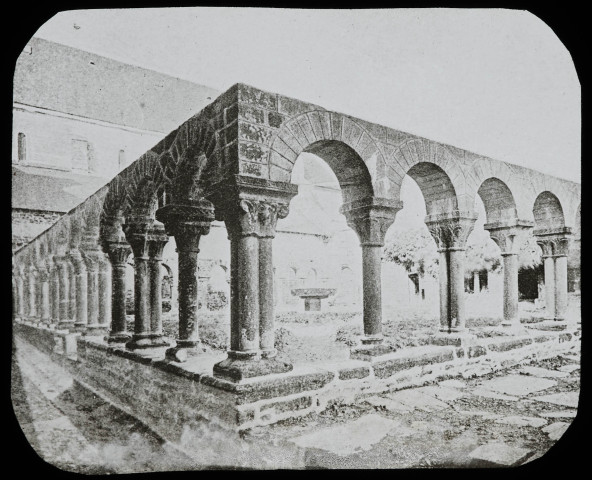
column 232, row 162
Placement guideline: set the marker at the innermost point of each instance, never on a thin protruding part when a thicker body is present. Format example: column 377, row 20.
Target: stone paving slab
column 562, row 414
column 359, row 435
column 452, row 383
column 446, row 394
column 482, row 392
column 416, row 399
column 389, row 404
column 569, row 368
column 543, row 372
column 555, row 430
column 521, row 421
column 565, row 399
column 519, row 385
column 500, row 454
column 480, row 413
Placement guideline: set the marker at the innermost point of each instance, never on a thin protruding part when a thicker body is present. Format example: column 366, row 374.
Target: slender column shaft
column 444, row 292
column 142, row 297
column 64, row 295
column 104, row 294
column 457, row 290
column 511, row 317
column 55, row 298
column 476, row 282
column 188, row 289
column 266, row 296
column 372, row 302
column 93, row 293
column 154, row 265
column 549, row 265
column 45, row 308
column 73, row 293
column 118, row 318
column 560, row 287
column 21, row 297
column 234, row 294
column 32, row 297
column 248, row 298
column 81, row 297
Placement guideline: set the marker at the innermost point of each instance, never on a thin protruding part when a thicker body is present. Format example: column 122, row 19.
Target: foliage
column 530, row 253
column 481, row 254
column 415, row 250
column 217, row 299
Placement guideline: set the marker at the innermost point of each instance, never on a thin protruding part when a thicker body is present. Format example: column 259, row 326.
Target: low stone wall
column 48, row 340
column 168, row 396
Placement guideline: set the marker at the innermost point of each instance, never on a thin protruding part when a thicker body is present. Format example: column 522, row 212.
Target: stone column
column 476, row 282
column 156, row 243
column 72, row 299
column 450, row 231
column 80, row 291
column 370, row 218
column 63, row 270
column 55, row 295
column 91, row 259
column 32, row 297
column 250, row 208
column 105, row 293
column 45, row 312
column 561, row 253
column 509, row 237
column 555, row 246
column 187, row 223
column 118, row 250
column 20, row 287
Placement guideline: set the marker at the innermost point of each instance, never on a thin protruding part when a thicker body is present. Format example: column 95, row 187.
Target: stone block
column 251, row 114
column 292, row 107
column 275, row 120
column 256, row 97
column 387, row 367
column 254, row 133
column 505, row 345
column 253, row 152
column 238, row 369
column 245, row 415
column 293, row 405
column 350, row 373
column 265, row 388
column 476, row 351
column 500, row 454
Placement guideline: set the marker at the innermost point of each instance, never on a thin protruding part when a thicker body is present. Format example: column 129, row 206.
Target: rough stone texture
column 504, row 345
column 354, row 372
column 389, row 404
column 237, row 370
column 518, row 384
column 387, row 367
column 288, row 405
column 570, row 399
column 521, row 421
column 556, row 430
column 543, row 372
column 559, row 414
column 349, row 438
column 418, row 399
column 500, row 454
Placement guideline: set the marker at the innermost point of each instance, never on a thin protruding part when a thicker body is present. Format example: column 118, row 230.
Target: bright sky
column 496, row 82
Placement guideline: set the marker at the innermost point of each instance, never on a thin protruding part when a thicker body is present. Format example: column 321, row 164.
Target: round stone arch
column 347, row 147
column 511, row 182
column 499, row 202
column 548, row 212
column 436, row 169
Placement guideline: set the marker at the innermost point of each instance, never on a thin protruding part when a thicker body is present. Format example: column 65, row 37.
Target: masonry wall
column 27, row 224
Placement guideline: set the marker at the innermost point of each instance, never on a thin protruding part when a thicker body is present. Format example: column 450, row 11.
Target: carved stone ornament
column 371, row 218
column 451, row 230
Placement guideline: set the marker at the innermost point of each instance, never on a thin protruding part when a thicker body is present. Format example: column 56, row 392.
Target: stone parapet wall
column 168, row 396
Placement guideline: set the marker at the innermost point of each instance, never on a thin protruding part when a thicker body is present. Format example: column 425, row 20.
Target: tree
column 413, row 249
column 481, row 254
column 530, row 253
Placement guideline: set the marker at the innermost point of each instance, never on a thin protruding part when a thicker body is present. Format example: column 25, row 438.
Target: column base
column 65, row 326
column 454, row 338
column 237, row 369
column 372, row 339
column 184, row 350
column 146, row 340
column 369, row 351
column 118, row 337
column 95, row 330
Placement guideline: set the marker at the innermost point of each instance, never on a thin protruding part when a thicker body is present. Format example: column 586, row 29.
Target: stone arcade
column 232, row 162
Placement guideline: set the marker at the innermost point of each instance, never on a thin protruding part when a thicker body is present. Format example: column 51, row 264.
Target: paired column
column 147, row 244
column 63, row 291
column 370, row 218
column 251, row 210
column 79, row 289
column 119, row 251
column 450, row 231
column 32, row 297
column 20, row 288
column 187, row 223
column 555, row 246
column 44, row 301
column 509, row 238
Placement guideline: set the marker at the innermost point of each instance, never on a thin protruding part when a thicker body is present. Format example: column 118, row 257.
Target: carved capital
column 451, row 231
column 77, row 262
column 187, row 222
column 118, row 252
column 370, row 218
column 509, row 238
column 554, row 244
column 256, row 217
